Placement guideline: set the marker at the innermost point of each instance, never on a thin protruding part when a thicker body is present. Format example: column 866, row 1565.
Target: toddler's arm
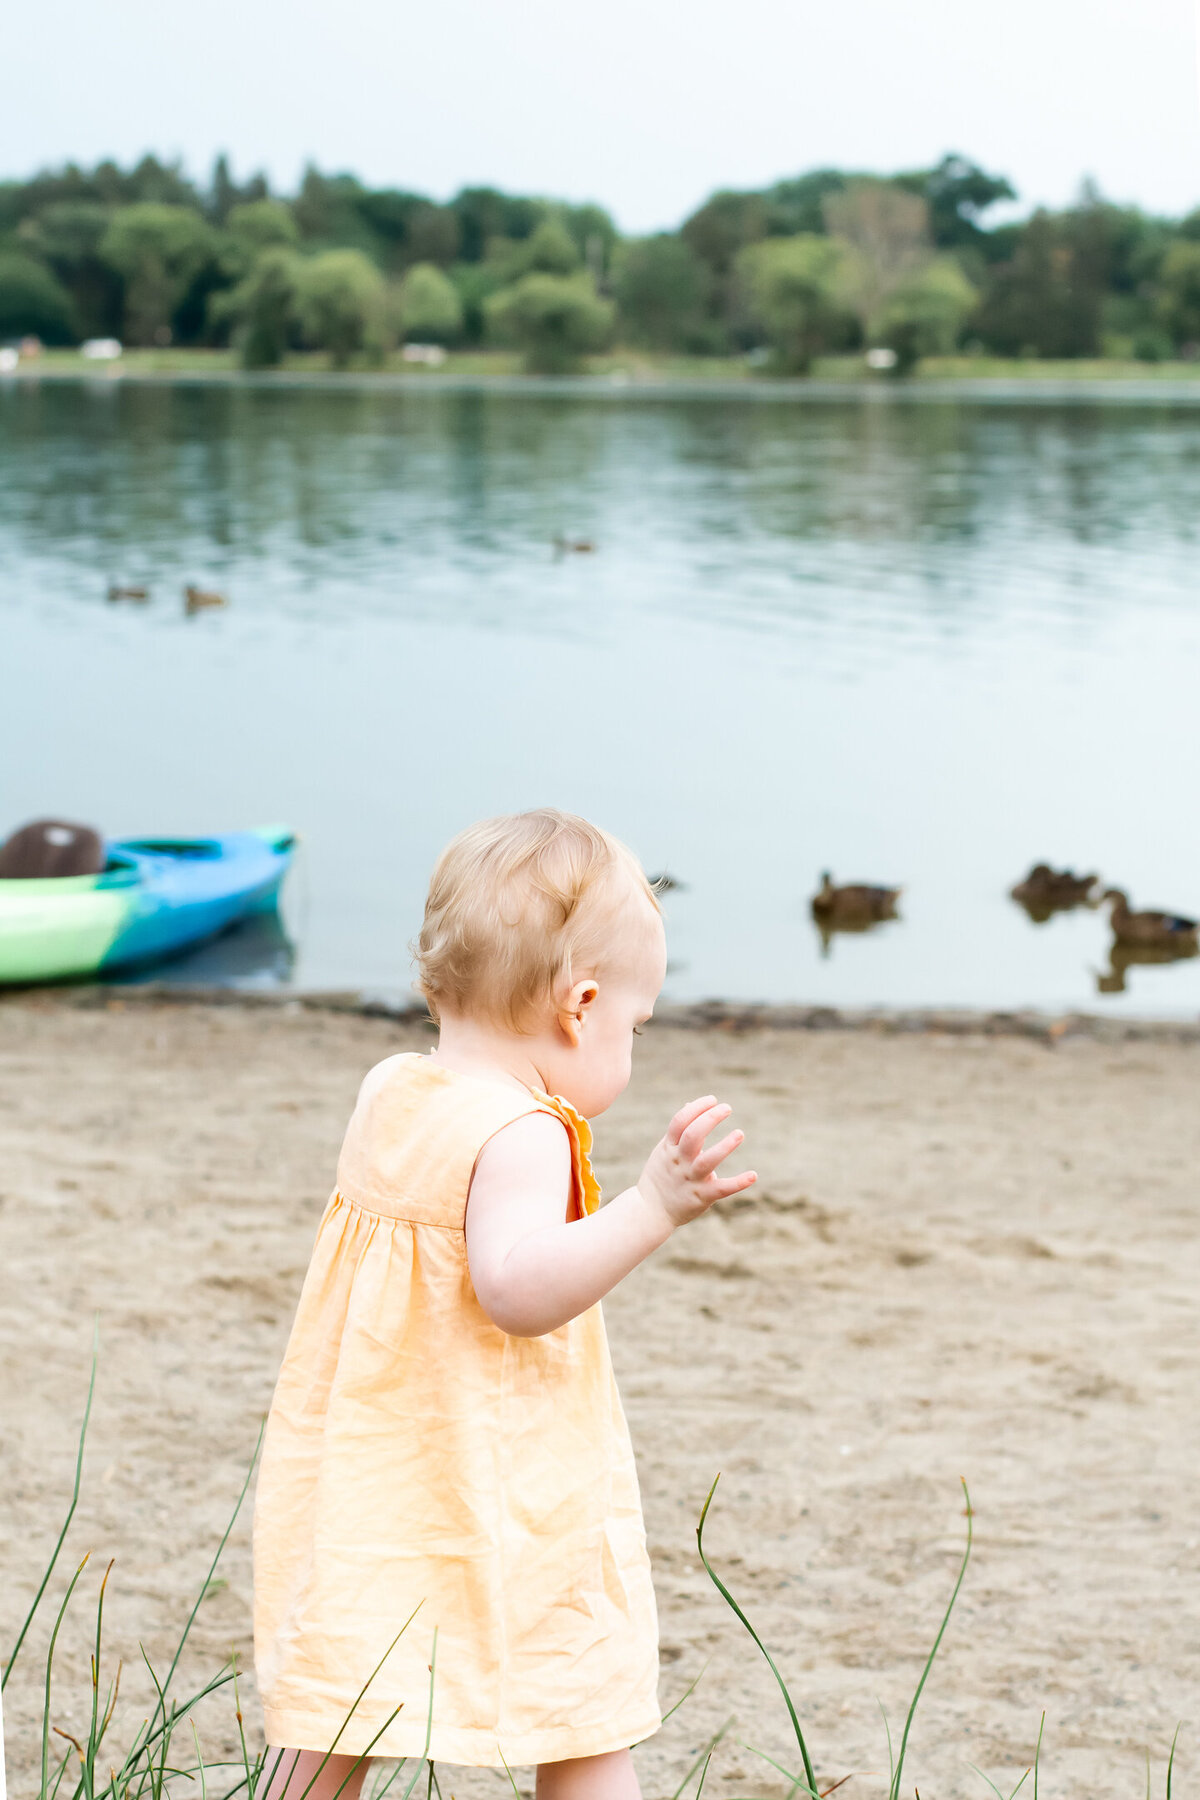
column 532, row 1269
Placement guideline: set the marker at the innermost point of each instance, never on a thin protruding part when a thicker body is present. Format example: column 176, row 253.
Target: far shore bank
column 727, row 1016
column 635, row 378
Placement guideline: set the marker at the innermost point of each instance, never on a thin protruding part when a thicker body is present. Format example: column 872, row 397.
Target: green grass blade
column 703, row 1775
column 686, row 1695
column 1171, row 1758
column 358, row 1698
column 191, row 1618
column 891, row 1755
column 512, row 1784
column 241, row 1725
column 987, row 1778
column 798, row 1783
column 895, row 1789
column 96, row 1729
column 732, row 1603
column 706, row 1751
column 62, row 1769
column 149, row 1773
column 1037, row 1756
column 43, row 1792
column 428, row 1720
column 45, row 1582
column 140, row 1753
column 200, row 1761
column 270, row 1774
column 359, row 1760
column 395, row 1774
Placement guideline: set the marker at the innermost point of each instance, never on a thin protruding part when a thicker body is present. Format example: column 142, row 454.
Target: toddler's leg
column 288, row 1773
column 609, row 1777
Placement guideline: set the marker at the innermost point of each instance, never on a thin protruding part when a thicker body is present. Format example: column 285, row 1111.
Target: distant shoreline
column 839, row 379
column 725, row 1016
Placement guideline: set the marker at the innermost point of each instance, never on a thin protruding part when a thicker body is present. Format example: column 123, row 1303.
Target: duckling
column 198, row 599
column 116, row 591
column 1161, row 930
column 1046, row 890
column 566, row 546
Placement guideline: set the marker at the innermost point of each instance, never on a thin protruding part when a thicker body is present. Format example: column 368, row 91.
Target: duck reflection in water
column 1046, row 891
column 856, row 907
column 1125, row 956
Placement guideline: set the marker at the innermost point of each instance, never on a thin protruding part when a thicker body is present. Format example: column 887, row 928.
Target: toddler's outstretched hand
column 680, row 1175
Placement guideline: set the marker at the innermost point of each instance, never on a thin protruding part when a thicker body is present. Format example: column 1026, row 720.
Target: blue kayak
column 154, row 898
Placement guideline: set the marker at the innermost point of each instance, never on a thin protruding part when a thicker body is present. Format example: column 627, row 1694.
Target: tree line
column 827, row 262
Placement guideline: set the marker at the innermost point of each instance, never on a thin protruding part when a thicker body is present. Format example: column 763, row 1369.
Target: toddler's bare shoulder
column 535, row 1145
column 378, row 1077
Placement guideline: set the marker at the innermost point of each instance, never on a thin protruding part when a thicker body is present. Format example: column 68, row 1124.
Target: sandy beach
column 967, row 1256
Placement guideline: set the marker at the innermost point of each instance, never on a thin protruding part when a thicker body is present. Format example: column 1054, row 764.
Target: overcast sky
column 644, row 105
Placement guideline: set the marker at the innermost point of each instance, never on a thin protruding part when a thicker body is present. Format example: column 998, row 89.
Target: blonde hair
column 515, row 905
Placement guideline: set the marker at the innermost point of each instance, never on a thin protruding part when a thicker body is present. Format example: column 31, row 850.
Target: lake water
column 920, row 641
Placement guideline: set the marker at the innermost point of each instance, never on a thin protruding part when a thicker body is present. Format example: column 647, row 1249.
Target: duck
column 568, row 546
column 120, row 591
column 198, row 599
column 856, row 907
column 1122, row 957
column 1149, row 929
column 855, row 902
column 1046, row 890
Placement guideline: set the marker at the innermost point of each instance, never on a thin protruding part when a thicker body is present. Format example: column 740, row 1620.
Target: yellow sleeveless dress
column 417, row 1457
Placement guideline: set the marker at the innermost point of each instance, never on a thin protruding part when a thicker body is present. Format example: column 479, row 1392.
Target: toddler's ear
column 574, row 1009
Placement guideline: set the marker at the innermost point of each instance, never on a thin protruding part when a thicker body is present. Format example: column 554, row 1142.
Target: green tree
column 329, row 211
column 251, row 228
column 223, row 194
column 485, row 215
column 342, row 306
column 475, row 283
column 257, row 225
column 550, row 250
column 795, row 205
column 66, row 235
column 594, row 235
column 433, row 235
column 725, row 224
column 660, row 293
column 797, row 289
column 715, row 234
column 158, row 250
column 958, row 193
column 1048, row 298
column 554, row 319
column 430, row 309
column 925, row 315
column 263, row 310
column 1179, row 293
column 33, row 301
column 887, row 231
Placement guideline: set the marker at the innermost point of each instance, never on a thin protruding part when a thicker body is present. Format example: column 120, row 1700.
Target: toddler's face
column 594, row 1071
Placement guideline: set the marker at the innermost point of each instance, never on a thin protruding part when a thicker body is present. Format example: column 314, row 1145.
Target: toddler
column 446, row 1438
